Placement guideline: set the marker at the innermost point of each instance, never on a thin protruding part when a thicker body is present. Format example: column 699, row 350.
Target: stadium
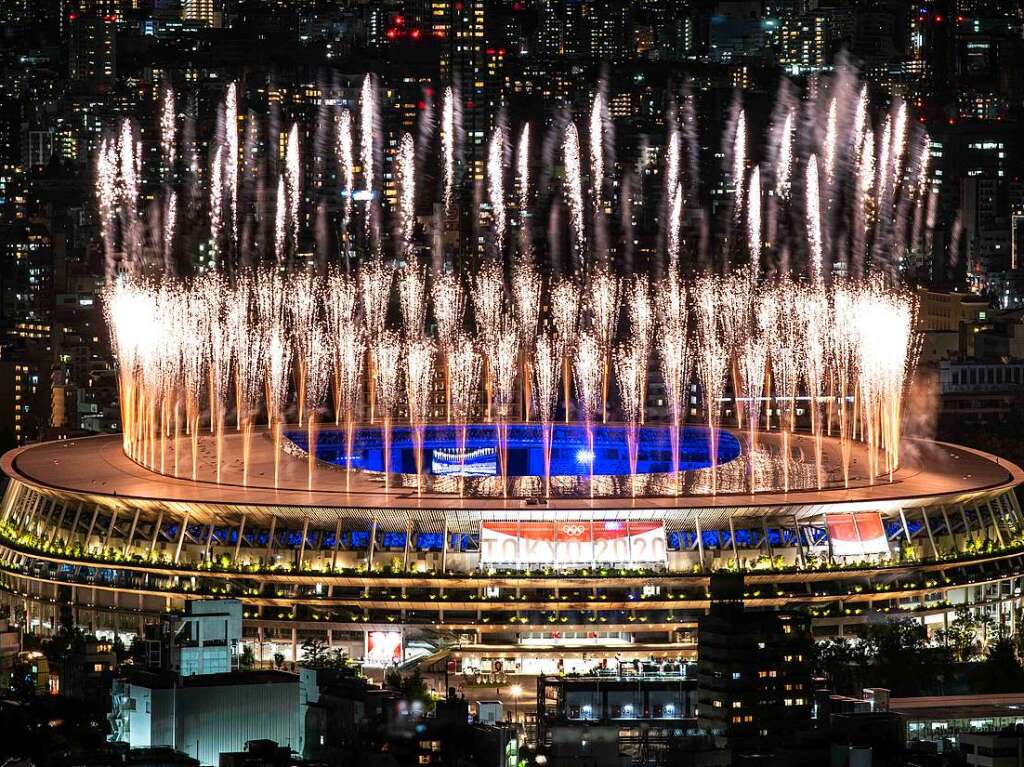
column 389, row 575
column 533, row 452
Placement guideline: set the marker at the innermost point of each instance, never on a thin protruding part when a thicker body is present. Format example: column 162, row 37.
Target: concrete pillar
column 156, row 532
column 949, row 529
column 181, row 539
column 700, row 538
column 92, row 525
column 60, row 523
column 270, row 538
column 302, row 544
column 131, row 533
column 928, row 528
column 995, row 522
column 337, row 541
column 732, row 539
column 238, row 543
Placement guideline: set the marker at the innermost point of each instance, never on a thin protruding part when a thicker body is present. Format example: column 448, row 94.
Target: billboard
column 383, row 648
column 573, row 543
column 855, row 535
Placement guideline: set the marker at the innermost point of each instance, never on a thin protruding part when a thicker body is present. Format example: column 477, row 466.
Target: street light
column 515, row 691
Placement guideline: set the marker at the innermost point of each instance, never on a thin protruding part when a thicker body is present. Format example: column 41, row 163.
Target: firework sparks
column 784, row 167
column 412, row 293
column 293, row 181
column 346, row 164
column 597, row 147
column 489, row 301
column 523, row 171
column 574, row 186
column 266, row 335
column 448, row 147
column 367, row 120
column 496, row 188
column 231, row 158
column 814, row 221
column 754, row 219
column 168, row 131
column 406, row 165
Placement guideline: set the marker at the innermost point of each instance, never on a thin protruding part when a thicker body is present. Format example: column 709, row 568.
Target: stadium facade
column 89, row 536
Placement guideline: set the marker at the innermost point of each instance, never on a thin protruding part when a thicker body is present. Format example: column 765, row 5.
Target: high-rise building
column 92, row 47
column 200, row 11
column 609, row 31
column 753, row 670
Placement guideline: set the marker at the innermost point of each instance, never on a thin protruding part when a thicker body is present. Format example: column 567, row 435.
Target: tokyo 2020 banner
column 572, row 543
column 857, row 534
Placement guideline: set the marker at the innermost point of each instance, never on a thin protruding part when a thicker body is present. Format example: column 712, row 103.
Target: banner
column 383, row 648
column 573, row 543
column 854, row 535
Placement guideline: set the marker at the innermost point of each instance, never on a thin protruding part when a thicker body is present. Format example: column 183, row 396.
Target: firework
column 754, row 219
column 449, row 300
column 217, row 196
column 346, row 164
column 464, row 367
column 739, row 155
column 280, row 221
column 316, row 373
column 375, row 280
column 406, row 165
column 293, row 182
column 412, row 293
column 587, row 367
column 526, row 298
column 523, row 171
column 631, row 371
column 168, row 128
column 367, row 120
column 547, row 361
column 488, row 300
column 387, row 363
column 189, row 350
column 574, row 186
column 814, row 221
column 597, row 147
column 448, row 147
column 784, row 167
column 496, row 188
column 231, row 158
column 830, row 147
column 419, row 384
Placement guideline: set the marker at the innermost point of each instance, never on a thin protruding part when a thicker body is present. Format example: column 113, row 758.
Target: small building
column 260, row 753
column 613, row 717
column 207, row 715
column 207, row 636
column 993, row 749
column 935, row 717
column 87, row 670
column 10, row 644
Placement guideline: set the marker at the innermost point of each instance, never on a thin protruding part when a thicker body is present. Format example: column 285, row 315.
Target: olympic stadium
column 390, row 574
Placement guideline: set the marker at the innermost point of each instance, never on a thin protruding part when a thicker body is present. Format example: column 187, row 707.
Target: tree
column 901, row 660
column 961, row 635
column 1002, row 671
column 278, row 660
column 120, row 651
column 315, row 653
column 248, row 658
column 841, row 662
column 412, row 687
